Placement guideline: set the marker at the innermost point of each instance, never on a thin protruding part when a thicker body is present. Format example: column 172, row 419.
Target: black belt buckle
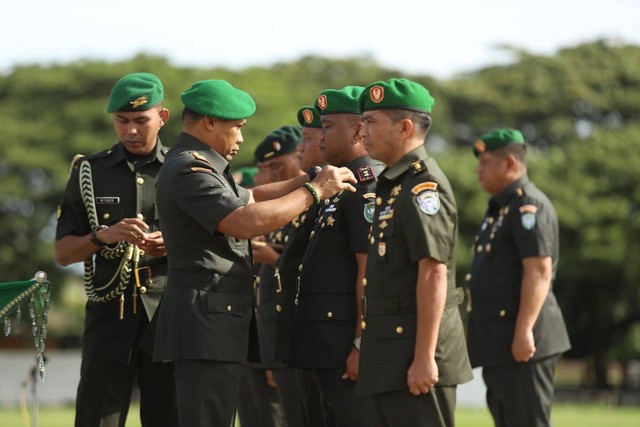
column 143, row 285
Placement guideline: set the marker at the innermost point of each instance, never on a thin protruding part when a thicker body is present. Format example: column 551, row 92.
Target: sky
column 440, row 38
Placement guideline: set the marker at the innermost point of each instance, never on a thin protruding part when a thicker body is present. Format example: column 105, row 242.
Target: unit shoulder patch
column 428, row 201
column 528, row 216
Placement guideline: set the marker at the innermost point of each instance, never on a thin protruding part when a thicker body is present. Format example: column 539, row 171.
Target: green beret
column 309, row 117
column 135, row 92
column 281, row 141
column 396, row 94
column 217, row 98
column 343, row 101
column 497, row 138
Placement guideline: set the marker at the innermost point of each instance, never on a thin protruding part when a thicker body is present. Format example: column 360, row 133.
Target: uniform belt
column 404, row 303
column 207, row 281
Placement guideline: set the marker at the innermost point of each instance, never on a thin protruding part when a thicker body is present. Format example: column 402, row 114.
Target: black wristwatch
column 313, row 171
column 94, row 237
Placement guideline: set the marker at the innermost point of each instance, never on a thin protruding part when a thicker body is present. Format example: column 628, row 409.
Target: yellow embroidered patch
column 429, row 185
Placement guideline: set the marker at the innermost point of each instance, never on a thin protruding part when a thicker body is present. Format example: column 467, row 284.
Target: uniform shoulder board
column 75, row 161
column 199, row 169
column 417, row 167
column 365, row 174
column 200, row 157
column 519, row 192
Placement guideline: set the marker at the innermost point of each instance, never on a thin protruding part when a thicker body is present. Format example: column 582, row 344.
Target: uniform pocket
column 238, row 305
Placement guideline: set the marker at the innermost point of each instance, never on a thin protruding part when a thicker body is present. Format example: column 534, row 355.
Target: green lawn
column 563, row 416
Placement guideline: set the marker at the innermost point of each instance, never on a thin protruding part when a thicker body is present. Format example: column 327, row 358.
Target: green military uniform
column 415, row 217
column 521, row 222
column 117, row 341
column 205, row 321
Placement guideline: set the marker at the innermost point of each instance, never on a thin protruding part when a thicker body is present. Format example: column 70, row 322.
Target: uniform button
column 228, row 308
column 488, row 247
column 295, row 301
column 372, row 240
column 140, row 216
column 378, row 200
column 479, row 248
column 106, row 216
column 381, row 235
column 329, row 315
column 140, row 180
column 279, row 308
column 363, row 325
column 399, row 330
column 143, row 289
column 300, row 267
column 502, row 313
column 364, row 281
column 467, row 277
column 286, row 239
column 312, row 234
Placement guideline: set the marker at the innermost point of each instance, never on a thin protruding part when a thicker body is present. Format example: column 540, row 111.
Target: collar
column 502, row 198
column 192, row 143
column 392, row 172
column 117, row 154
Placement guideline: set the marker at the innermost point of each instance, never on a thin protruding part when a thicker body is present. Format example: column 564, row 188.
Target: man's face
column 378, row 134
column 284, row 167
column 338, row 132
column 309, row 153
column 492, row 173
column 226, row 136
column 138, row 130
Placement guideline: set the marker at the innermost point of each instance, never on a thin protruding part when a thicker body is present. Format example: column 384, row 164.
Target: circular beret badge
column 308, row 115
column 276, row 145
column 322, row 102
column 480, row 146
column 376, row 94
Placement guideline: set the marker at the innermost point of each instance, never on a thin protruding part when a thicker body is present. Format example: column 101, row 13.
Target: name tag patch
column 108, row 200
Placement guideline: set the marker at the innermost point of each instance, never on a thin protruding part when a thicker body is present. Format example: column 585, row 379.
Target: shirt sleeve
column 533, row 227
column 429, row 222
column 72, row 216
column 206, row 197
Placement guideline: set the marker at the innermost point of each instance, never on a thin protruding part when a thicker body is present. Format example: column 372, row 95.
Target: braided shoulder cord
column 126, row 251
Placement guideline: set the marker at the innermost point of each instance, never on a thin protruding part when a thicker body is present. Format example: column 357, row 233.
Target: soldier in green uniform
column 413, row 346
column 327, row 328
column 206, row 317
column 263, row 400
column 109, row 211
column 516, row 329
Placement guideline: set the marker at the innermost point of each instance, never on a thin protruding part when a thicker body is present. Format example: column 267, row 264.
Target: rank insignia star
column 395, row 191
column 330, row 221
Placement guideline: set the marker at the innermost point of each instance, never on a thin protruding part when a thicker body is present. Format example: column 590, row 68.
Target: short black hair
column 421, row 120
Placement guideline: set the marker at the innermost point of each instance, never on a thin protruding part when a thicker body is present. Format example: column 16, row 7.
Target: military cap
column 135, row 92
column 343, row 101
column 217, row 98
column 281, row 141
column 309, row 117
column 396, row 94
column 497, row 138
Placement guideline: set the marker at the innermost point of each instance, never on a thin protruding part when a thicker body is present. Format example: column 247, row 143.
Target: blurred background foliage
column 579, row 109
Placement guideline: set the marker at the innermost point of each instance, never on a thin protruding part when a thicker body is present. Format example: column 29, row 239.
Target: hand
column 353, row 364
column 263, row 253
column 271, row 379
column 523, row 346
column 154, row 244
column 422, row 376
column 331, row 180
column 130, row 230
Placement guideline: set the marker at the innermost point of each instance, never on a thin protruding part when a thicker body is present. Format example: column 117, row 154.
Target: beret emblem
column 308, row 115
column 322, row 101
column 376, row 93
column 480, row 146
column 139, row 101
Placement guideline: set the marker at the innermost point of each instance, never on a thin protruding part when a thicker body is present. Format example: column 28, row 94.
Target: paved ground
column 63, row 372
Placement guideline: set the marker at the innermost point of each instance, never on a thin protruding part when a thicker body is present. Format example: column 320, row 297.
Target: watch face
column 356, row 342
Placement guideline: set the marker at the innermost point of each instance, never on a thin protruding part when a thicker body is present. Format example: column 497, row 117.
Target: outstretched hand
column 331, row 180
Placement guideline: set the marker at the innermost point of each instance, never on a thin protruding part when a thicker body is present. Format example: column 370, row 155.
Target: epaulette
column 417, row 167
column 199, row 169
column 200, row 157
column 74, row 162
column 365, row 174
column 99, row 154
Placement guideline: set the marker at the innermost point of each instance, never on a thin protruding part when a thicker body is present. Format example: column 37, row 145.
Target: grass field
column 563, row 416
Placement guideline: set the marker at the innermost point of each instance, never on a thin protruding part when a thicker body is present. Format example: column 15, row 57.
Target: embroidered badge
column 429, row 202
column 368, row 211
column 369, row 195
column 376, row 94
column 330, row 220
column 365, row 173
column 395, row 191
column 139, row 101
column 322, row 102
column 528, row 216
column 429, row 185
column 197, row 169
column 307, row 114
